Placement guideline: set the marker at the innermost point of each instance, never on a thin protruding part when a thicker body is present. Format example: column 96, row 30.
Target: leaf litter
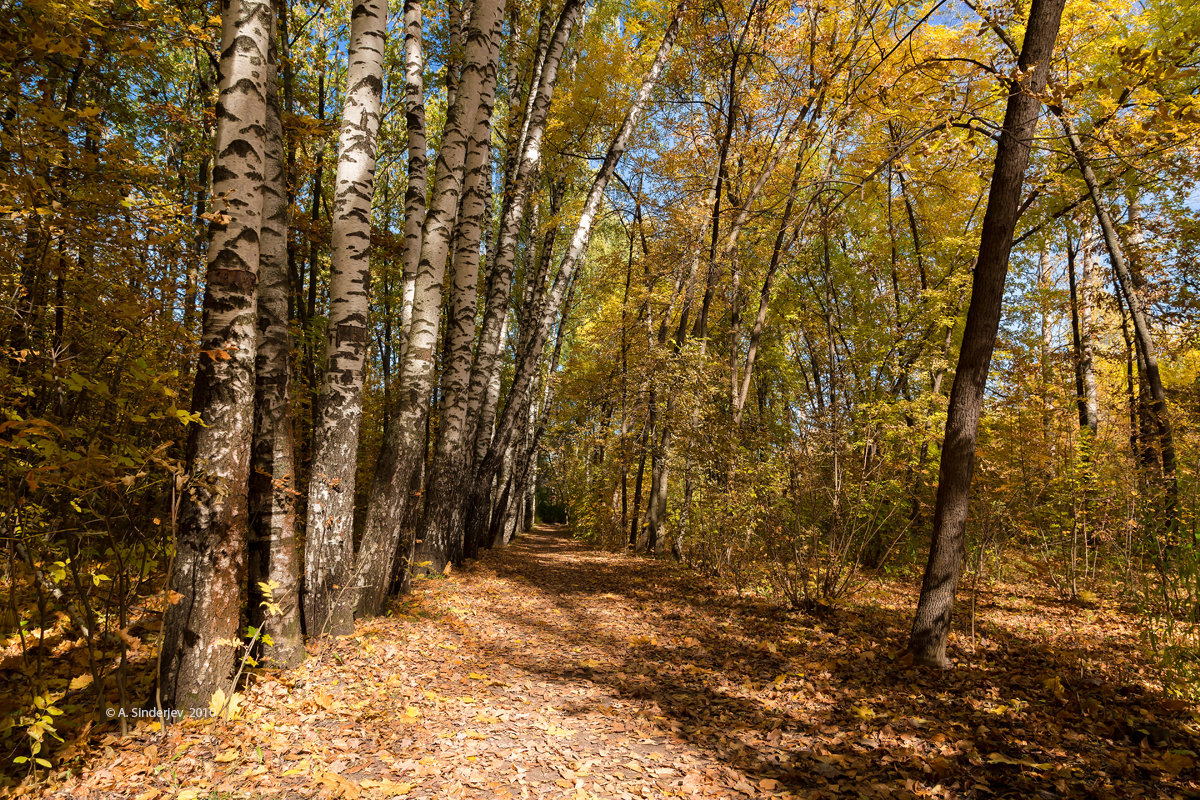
column 551, row 670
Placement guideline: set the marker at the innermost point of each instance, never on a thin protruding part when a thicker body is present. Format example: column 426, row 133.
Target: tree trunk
column 211, row 537
column 200, row 198
column 418, row 159
column 404, row 442
column 440, row 536
column 1045, row 370
column 273, row 552
column 931, row 626
column 782, row 243
column 528, row 360
column 485, row 372
column 329, row 550
column 1148, row 357
column 1083, row 300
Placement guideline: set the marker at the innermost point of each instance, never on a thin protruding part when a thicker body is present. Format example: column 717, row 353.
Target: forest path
column 548, row 669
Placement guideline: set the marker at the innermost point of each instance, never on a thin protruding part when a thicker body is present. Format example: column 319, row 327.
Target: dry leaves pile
column 550, row 670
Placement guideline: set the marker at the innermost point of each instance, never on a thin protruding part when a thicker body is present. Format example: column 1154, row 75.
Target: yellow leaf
column 386, row 788
column 222, row 706
column 1174, row 763
column 227, row 756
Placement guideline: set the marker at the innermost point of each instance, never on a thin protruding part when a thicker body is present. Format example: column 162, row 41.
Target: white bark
column 418, row 160
column 439, row 543
column 273, row 552
column 1088, row 291
column 404, row 440
column 485, row 372
column 211, row 538
column 329, row 550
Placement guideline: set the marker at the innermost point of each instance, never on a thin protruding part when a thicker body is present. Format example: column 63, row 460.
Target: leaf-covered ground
column 551, row 670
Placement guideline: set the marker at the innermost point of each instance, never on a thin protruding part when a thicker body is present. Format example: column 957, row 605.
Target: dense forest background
column 301, row 300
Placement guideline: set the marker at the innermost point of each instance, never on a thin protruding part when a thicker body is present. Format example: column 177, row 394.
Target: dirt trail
column 551, row 670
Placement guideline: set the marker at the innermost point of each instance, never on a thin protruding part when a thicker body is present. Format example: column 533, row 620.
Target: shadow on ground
column 818, row 704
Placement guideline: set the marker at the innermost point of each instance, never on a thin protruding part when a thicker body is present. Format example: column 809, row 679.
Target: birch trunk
column 1083, row 293
column 418, row 159
column 931, row 624
column 329, row 551
column 440, row 537
column 211, row 537
column 403, row 444
column 485, row 372
column 273, row 553
column 528, row 360
column 521, row 485
column 1088, row 298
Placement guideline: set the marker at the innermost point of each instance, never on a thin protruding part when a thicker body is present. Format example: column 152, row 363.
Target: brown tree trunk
column 1158, row 418
column 931, row 625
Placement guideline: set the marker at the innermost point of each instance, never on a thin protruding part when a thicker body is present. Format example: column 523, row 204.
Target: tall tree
column 527, row 360
column 931, row 625
column 273, row 554
column 1159, row 418
column 329, row 548
column 404, row 440
column 418, row 157
column 437, row 543
column 455, row 456
column 1082, row 286
column 210, row 541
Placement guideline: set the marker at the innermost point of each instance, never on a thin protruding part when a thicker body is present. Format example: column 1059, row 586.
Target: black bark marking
column 349, row 332
column 233, row 278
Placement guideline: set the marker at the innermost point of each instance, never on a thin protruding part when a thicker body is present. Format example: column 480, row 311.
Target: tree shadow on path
column 816, row 704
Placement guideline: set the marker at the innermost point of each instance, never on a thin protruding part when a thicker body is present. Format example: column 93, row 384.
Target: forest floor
column 548, row 669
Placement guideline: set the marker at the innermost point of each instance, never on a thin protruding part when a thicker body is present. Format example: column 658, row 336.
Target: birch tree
column 210, row 541
column 404, row 439
column 527, row 362
column 329, row 550
column 454, row 458
column 438, row 544
column 272, row 552
column 418, row 159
